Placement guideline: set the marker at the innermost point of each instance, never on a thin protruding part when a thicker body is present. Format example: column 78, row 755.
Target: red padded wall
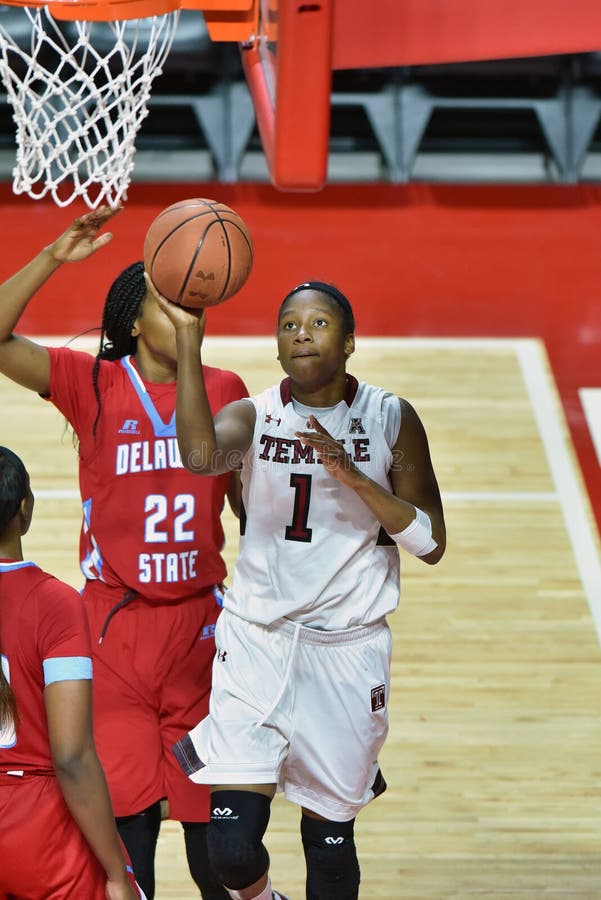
column 414, row 260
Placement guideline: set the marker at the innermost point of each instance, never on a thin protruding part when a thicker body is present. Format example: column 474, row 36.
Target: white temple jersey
column 310, row 548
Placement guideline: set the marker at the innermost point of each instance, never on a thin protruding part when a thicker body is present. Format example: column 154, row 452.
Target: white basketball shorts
column 296, row 707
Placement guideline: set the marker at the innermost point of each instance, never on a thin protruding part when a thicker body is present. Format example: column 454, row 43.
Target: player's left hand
column 331, row 452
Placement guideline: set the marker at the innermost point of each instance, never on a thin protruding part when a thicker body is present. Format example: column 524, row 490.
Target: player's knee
column 239, row 820
column 332, row 864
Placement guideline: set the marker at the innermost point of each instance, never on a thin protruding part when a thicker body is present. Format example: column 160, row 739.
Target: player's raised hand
column 80, row 239
column 331, row 453
column 179, row 316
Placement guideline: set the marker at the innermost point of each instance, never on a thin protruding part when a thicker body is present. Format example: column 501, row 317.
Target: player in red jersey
column 150, row 541
column 57, row 832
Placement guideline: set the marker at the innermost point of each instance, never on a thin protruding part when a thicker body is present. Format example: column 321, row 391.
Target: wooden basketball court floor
column 493, row 761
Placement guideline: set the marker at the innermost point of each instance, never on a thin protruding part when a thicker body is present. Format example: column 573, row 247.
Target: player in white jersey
column 283, row 482
column 335, row 476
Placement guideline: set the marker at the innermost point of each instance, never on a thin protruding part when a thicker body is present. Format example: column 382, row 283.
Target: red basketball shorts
column 42, row 851
column 152, row 679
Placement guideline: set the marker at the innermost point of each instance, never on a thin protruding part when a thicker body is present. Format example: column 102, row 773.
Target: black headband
column 7, row 512
column 324, row 288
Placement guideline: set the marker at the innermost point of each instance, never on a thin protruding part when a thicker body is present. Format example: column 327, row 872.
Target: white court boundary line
column 591, row 404
column 547, row 412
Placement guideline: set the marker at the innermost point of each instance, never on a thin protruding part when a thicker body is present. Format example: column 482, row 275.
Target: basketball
column 198, row 253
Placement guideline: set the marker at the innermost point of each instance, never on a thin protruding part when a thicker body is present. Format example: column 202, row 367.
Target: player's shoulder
column 408, row 410
column 381, row 406
column 229, row 382
column 412, row 427
column 72, row 357
column 52, row 589
column 39, row 590
column 276, row 396
column 81, row 364
column 375, row 395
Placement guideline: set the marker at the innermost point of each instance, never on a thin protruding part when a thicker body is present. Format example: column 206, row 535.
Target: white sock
column 266, row 893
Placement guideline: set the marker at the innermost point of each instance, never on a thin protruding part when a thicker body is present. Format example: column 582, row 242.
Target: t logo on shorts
column 378, row 697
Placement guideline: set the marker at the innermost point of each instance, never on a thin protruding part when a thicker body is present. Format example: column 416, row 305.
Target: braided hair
column 14, row 485
column 121, row 309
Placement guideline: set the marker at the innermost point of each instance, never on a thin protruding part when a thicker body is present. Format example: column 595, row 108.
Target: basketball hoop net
column 77, row 108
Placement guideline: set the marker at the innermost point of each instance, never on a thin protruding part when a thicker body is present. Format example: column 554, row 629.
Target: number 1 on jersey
column 298, row 530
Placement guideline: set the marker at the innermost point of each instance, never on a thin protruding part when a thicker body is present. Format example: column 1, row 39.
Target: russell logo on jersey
column 130, row 426
column 207, row 632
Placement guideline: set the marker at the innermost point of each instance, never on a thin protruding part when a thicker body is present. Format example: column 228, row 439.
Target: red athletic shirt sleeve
column 42, row 623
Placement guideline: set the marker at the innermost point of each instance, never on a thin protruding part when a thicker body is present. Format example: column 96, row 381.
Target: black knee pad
column 239, row 820
column 332, row 864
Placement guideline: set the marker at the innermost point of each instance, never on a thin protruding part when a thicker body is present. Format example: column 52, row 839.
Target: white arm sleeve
column 417, row 538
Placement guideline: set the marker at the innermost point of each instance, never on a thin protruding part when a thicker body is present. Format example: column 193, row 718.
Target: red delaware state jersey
column 148, row 524
column 44, row 638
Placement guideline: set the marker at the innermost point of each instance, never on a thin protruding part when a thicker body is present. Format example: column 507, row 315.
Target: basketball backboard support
column 289, row 71
column 289, row 60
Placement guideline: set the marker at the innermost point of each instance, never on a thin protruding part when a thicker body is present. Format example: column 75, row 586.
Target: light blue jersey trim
column 91, row 565
column 161, row 429
column 67, row 668
column 10, row 567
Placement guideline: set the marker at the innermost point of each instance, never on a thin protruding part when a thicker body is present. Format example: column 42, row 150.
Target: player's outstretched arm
column 81, row 778
column 414, row 484
column 24, row 361
column 207, row 446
